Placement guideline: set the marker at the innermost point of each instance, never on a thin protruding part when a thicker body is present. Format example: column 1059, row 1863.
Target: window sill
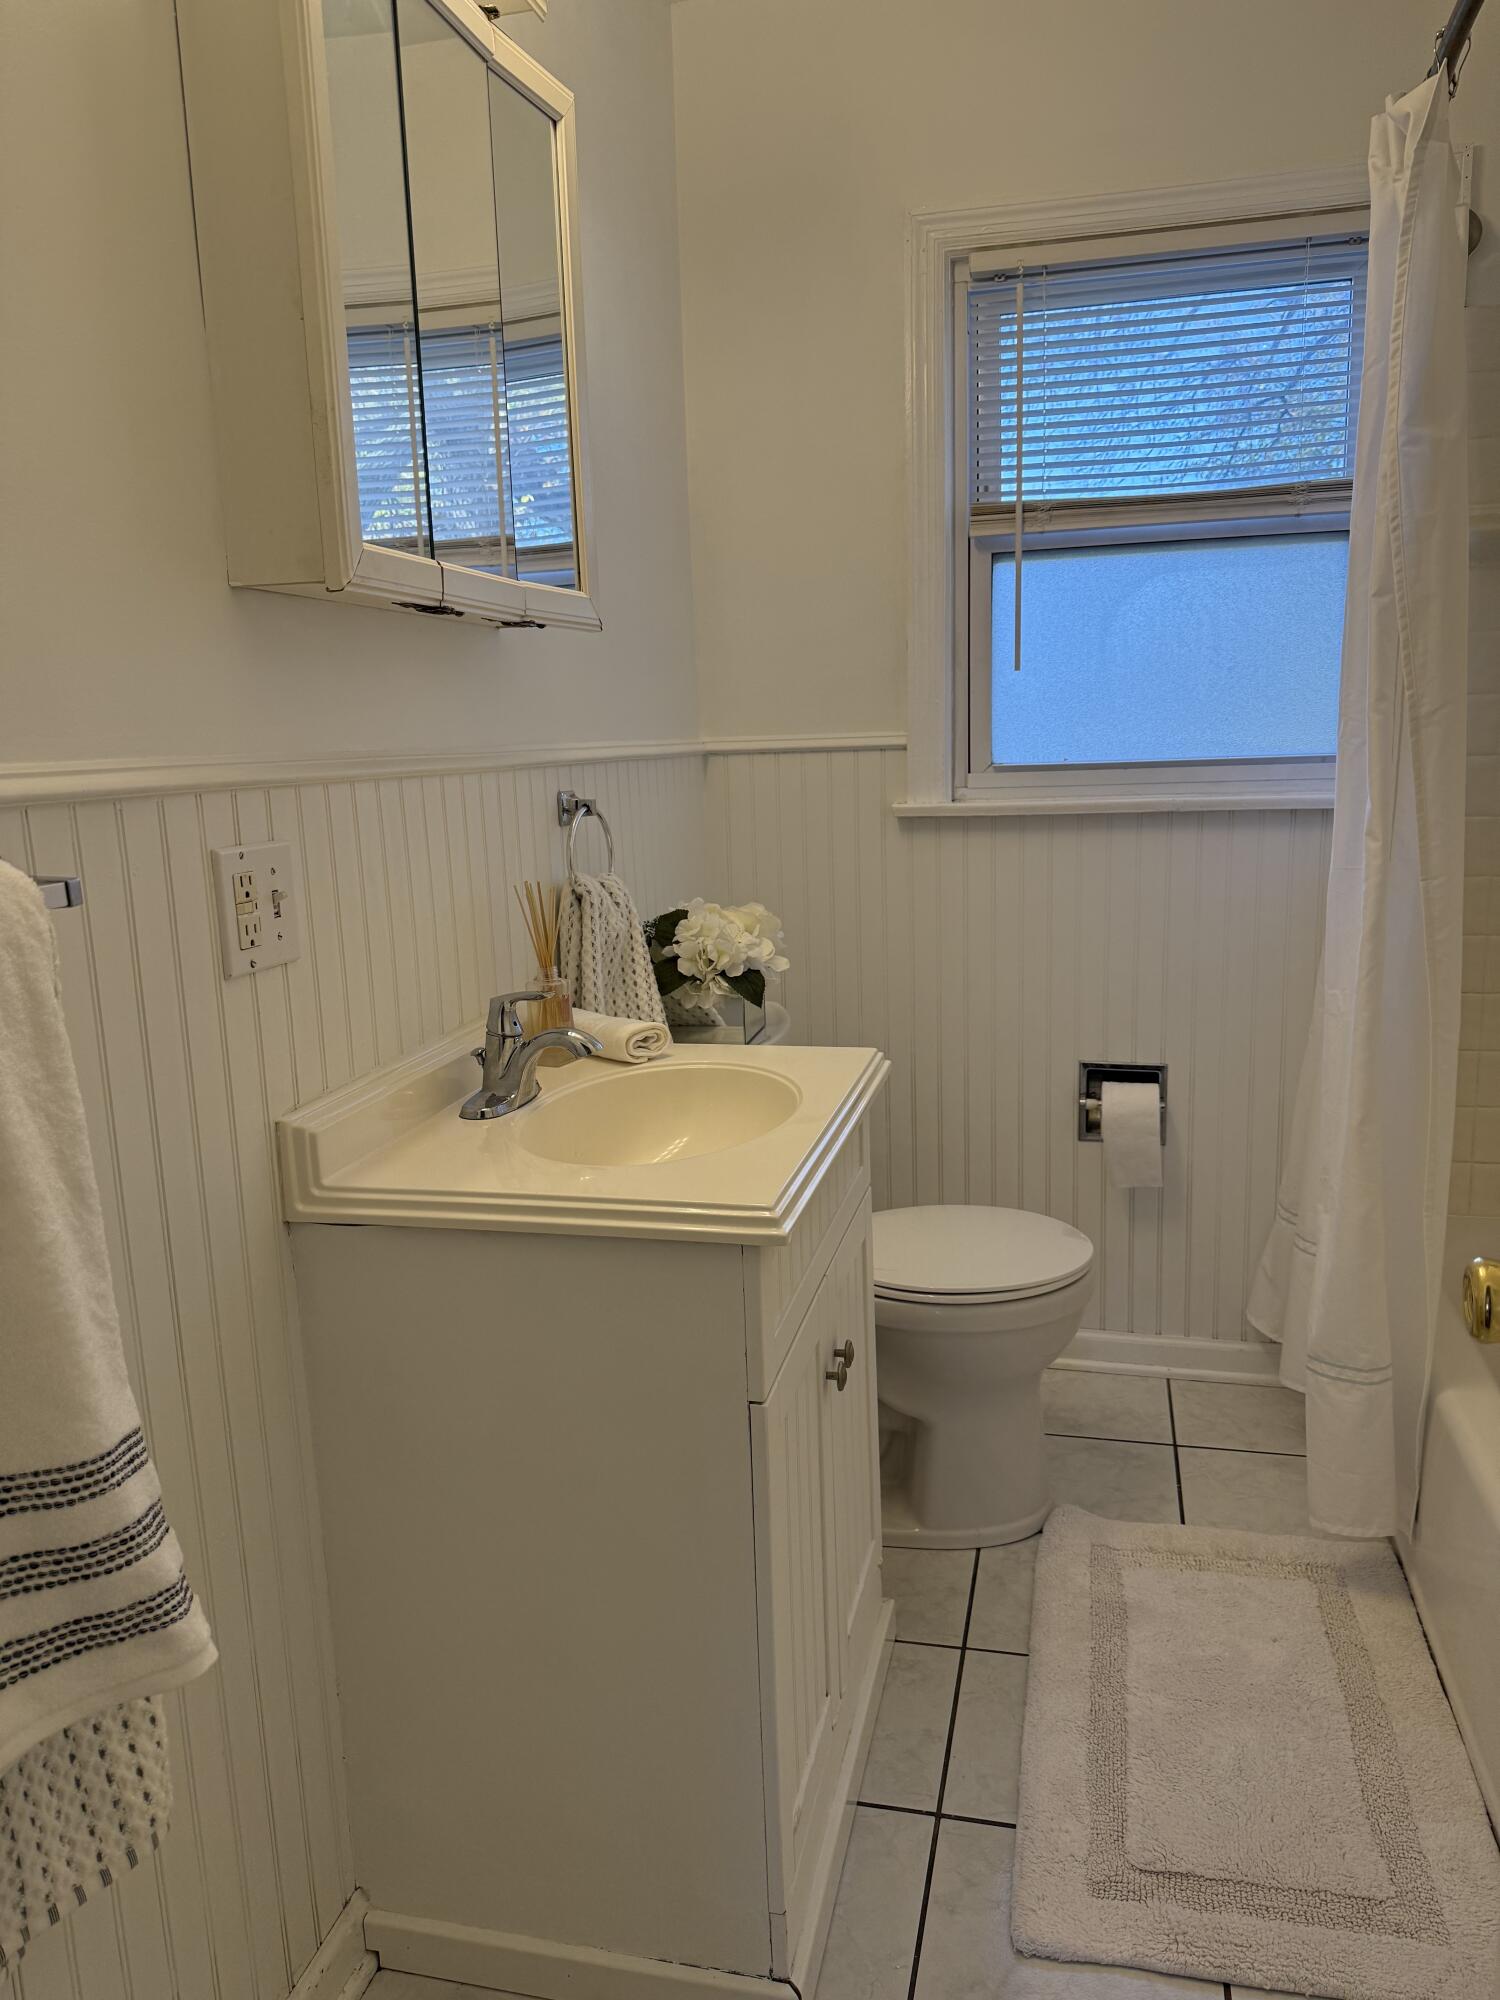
column 1314, row 796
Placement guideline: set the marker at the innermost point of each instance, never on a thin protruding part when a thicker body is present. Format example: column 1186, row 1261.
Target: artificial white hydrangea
column 714, row 943
column 764, row 929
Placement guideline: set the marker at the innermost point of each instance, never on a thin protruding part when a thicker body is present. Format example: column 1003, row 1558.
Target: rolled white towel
column 624, row 1041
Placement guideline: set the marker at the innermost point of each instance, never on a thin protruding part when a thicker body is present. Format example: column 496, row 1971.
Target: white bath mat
column 1239, row 1765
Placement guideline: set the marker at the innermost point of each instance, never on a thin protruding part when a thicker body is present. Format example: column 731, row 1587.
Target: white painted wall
column 121, row 638
column 807, row 133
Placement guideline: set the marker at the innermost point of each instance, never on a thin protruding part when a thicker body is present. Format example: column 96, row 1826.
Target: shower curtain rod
column 1451, row 45
column 1454, row 39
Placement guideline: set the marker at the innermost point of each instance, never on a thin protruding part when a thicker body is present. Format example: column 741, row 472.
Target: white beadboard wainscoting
column 988, row 956
column 410, row 925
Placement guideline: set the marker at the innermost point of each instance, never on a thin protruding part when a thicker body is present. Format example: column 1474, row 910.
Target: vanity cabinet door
column 817, row 1513
column 791, row 1437
column 853, row 1495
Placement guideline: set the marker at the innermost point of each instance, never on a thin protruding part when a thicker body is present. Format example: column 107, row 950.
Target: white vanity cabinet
column 603, row 1532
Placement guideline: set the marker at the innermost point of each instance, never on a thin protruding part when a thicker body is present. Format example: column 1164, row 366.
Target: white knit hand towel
column 94, row 1606
column 624, row 1041
column 602, row 951
column 84, row 1806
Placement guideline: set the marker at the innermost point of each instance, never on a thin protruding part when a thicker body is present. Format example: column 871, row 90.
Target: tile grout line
column 922, row 1812
column 1245, row 1450
column 1166, row 1444
column 1176, row 1454
column 937, row 1816
column 957, row 1646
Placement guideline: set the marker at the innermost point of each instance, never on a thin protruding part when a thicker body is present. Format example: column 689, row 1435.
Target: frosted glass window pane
column 1170, row 652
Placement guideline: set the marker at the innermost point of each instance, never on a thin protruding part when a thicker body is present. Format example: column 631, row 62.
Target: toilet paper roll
column 1130, row 1125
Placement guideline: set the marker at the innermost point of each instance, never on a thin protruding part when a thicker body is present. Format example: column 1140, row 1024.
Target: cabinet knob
column 843, row 1361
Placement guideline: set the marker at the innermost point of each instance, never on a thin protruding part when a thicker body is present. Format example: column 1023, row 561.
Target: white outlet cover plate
column 258, row 893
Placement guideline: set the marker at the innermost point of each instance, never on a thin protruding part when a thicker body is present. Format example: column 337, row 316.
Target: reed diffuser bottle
column 541, row 905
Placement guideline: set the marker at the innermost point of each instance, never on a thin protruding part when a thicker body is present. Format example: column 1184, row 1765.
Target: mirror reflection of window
column 539, row 482
column 374, row 249
column 445, row 101
column 457, row 350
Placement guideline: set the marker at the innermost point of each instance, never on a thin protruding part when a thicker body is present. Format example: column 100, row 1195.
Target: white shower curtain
column 1349, row 1279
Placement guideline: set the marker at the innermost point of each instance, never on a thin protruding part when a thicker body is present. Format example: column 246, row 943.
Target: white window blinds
column 387, row 435
column 462, row 399
column 536, row 417
column 1167, row 378
column 473, row 390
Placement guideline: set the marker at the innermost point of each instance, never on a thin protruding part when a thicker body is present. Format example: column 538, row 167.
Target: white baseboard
column 500, row 1962
column 1253, row 1361
column 343, row 1965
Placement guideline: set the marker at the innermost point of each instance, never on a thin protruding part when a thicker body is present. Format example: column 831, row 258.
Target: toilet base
column 899, row 1528
column 963, row 1456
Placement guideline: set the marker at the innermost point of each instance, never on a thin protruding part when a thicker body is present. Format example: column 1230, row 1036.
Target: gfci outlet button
column 259, row 899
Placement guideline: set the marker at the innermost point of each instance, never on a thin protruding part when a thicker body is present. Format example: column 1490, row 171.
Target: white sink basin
column 648, row 1116
column 720, row 1144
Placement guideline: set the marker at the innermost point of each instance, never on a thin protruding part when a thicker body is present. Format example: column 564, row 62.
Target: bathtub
column 1453, row 1560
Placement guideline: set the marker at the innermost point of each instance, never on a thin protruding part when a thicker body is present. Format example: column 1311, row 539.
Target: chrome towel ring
column 572, row 811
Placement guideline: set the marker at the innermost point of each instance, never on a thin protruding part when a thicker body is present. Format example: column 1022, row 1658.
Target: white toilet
column 971, row 1304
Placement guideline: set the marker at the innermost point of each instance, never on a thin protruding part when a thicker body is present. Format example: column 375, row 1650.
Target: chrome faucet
column 509, row 1058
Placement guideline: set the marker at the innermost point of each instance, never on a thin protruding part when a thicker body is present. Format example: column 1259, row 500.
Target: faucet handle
column 503, row 1021
column 502, row 1028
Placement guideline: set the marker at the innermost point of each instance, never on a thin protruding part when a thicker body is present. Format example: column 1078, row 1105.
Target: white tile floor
column 923, row 1909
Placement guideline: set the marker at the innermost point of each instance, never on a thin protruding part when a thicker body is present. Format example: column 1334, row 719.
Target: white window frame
column 942, row 586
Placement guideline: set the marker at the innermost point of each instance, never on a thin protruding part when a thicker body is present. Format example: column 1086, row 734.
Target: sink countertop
column 392, row 1149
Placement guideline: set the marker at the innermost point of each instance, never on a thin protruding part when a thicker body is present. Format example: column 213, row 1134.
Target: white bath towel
column 94, row 1606
column 602, row 951
column 624, row 1041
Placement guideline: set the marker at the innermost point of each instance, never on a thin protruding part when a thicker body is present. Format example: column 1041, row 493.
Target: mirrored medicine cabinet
column 386, row 208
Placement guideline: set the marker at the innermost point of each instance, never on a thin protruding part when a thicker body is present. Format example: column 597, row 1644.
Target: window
column 1157, row 448
column 469, row 379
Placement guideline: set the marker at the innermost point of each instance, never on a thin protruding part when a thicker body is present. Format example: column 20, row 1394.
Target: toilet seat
column 952, row 1255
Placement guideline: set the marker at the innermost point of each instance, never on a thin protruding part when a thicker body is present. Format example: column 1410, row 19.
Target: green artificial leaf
column 669, row 975
column 664, row 927
column 750, row 986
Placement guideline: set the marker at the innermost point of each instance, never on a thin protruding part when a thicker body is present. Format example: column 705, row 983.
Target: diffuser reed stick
column 541, row 906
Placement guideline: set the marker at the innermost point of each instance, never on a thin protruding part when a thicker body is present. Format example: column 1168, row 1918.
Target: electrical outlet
column 260, row 902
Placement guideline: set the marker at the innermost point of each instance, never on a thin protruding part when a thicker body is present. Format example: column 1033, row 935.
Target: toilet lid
column 975, row 1253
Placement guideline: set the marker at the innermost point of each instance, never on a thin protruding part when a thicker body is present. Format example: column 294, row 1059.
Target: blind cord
column 1020, row 460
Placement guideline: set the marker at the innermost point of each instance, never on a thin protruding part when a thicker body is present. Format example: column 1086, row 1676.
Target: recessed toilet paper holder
column 1092, row 1076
